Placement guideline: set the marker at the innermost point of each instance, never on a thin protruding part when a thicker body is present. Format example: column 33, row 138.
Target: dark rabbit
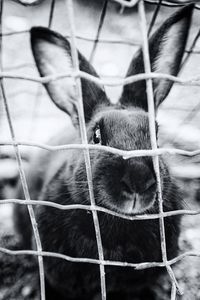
column 125, row 186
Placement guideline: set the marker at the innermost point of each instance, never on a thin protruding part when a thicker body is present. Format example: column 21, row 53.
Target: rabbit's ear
column 166, row 49
column 52, row 54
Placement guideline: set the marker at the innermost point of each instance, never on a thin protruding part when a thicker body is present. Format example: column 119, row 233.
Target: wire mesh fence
column 155, row 152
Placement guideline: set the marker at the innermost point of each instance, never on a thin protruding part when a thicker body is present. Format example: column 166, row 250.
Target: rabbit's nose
column 127, row 184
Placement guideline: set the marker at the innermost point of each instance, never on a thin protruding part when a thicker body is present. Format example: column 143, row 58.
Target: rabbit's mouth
column 135, row 203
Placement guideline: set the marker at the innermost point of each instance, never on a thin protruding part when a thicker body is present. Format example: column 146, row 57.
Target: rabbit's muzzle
column 125, row 186
column 138, row 188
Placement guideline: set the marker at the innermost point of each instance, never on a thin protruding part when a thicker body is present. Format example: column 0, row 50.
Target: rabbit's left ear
column 52, row 53
column 166, row 49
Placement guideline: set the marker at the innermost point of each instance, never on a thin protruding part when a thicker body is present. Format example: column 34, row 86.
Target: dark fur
column 61, row 177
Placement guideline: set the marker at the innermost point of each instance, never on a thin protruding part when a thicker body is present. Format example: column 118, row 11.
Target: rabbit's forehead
column 126, row 120
column 125, row 129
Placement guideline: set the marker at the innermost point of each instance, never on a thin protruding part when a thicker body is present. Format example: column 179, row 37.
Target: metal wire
column 152, row 121
column 136, row 266
column 125, row 154
column 125, row 3
column 83, row 132
column 102, row 17
column 101, row 209
column 193, row 81
column 154, row 17
column 21, row 172
column 155, row 152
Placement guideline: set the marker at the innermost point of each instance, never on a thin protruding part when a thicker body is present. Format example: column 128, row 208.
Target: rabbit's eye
column 97, row 136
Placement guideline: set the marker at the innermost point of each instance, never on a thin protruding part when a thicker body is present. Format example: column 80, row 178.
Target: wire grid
column 154, row 152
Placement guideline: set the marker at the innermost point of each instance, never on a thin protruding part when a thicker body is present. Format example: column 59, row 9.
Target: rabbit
column 128, row 187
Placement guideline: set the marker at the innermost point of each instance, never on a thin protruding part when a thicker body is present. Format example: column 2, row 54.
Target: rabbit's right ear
column 166, row 49
column 52, row 53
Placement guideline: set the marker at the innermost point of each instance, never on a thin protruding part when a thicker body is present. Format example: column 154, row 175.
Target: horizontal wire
column 32, row 66
column 176, row 3
column 130, row 154
column 126, row 154
column 137, row 266
column 88, row 39
column 126, row 42
column 149, row 216
column 194, row 81
column 78, row 37
column 124, row 3
column 28, row 2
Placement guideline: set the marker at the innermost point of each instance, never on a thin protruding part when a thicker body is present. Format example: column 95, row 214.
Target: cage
column 107, row 33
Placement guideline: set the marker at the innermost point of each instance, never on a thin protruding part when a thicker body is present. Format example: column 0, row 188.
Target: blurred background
column 36, row 118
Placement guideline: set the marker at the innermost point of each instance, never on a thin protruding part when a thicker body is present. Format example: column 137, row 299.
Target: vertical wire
column 52, row 8
column 192, row 113
column 173, row 292
column 195, row 110
column 83, row 133
column 190, row 50
column 101, row 21
column 151, row 113
column 155, row 15
column 20, row 168
column 39, row 89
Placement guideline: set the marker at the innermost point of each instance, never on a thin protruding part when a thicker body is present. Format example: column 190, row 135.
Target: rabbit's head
column 126, row 186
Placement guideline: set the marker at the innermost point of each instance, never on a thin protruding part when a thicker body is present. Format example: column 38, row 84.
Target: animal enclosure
column 28, row 119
